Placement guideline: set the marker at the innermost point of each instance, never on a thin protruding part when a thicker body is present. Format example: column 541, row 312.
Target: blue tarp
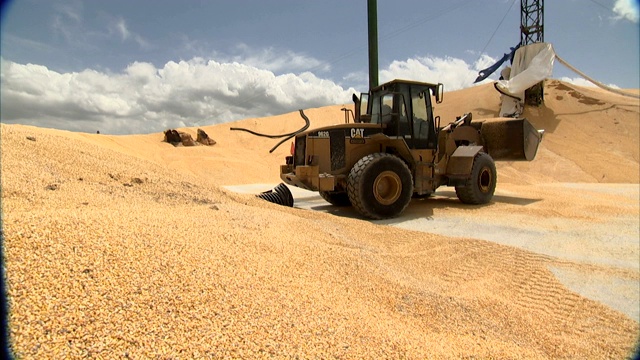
column 483, row 74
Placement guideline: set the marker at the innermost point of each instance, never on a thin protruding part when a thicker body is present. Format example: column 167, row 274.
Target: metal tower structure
column 531, row 21
column 531, row 32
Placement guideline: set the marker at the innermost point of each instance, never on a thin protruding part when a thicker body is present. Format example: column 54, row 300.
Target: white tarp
column 531, row 64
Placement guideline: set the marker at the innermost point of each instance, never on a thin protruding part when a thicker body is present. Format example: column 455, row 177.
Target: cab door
column 424, row 136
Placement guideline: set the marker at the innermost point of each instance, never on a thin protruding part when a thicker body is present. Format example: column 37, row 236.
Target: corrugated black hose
column 280, row 194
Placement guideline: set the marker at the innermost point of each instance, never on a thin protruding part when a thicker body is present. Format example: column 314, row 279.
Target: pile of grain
column 126, row 247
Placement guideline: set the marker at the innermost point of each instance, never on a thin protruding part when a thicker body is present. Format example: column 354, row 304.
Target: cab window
column 421, row 120
column 381, row 110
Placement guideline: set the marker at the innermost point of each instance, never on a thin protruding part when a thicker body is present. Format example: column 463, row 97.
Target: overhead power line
column 497, row 28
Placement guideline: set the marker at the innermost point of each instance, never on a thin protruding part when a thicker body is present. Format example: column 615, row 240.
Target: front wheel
column 481, row 185
column 380, row 186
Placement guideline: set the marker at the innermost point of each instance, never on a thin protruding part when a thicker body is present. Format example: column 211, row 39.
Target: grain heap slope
column 125, row 246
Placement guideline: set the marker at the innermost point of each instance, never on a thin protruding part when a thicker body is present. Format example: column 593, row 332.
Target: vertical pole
column 372, row 15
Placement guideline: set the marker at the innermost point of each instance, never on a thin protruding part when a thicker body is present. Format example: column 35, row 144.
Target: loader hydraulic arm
column 466, row 119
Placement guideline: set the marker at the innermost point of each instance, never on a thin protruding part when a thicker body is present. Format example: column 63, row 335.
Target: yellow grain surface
column 126, row 247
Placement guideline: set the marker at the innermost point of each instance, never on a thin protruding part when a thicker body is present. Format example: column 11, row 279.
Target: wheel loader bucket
column 511, row 139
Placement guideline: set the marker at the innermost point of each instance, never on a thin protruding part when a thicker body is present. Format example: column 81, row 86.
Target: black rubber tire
column 481, row 185
column 336, row 198
column 423, row 196
column 380, row 186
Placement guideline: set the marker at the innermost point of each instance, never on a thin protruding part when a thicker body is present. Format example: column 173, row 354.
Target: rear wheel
column 481, row 185
column 380, row 186
column 336, row 198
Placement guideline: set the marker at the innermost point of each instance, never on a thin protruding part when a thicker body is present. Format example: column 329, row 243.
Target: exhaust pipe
column 280, row 195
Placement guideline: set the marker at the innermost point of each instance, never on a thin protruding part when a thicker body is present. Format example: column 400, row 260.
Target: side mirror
column 439, row 93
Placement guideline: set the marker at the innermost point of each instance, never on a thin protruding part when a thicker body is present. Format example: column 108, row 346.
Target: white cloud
column 61, row 27
column 71, row 10
column 454, row 73
column 67, row 19
column 67, row 22
column 144, row 99
column 626, row 9
column 577, row 81
column 10, row 40
column 120, row 27
column 358, row 79
column 277, row 60
column 583, row 82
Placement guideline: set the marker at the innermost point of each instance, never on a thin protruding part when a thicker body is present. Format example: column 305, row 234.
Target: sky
column 144, row 66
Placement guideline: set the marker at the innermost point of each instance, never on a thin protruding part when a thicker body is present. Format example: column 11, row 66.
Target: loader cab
column 404, row 109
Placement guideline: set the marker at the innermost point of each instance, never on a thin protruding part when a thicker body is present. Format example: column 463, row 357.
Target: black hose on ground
column 280, row 195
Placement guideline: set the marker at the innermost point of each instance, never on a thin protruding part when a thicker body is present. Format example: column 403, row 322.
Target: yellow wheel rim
column 387, row 187
column 485, row 179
